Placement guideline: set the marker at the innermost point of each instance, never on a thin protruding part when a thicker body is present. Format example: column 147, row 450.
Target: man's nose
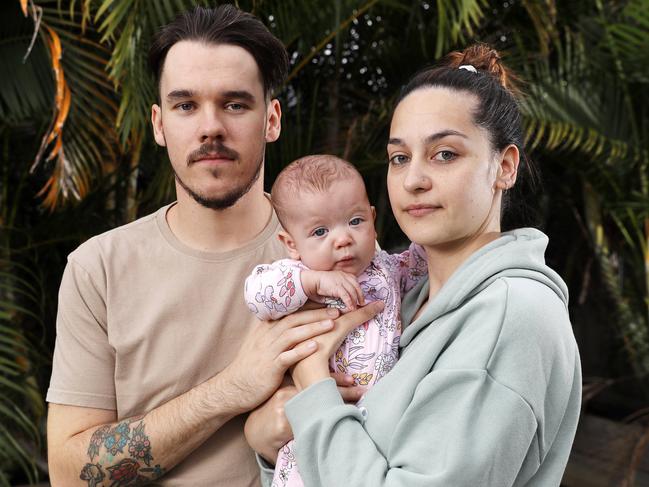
column 212, row 126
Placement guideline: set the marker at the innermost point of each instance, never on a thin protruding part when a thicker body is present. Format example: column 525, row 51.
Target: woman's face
column 444, row 178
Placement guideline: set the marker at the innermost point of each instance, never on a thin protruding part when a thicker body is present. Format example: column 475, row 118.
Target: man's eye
column 235, row 107
column 319, row 232
column 185, row 107
column 356, row 221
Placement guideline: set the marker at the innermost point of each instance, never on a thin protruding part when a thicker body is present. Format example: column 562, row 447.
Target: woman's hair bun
column 486, row 59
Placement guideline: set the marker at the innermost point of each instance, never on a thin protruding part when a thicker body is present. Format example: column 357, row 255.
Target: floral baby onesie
column 368, row 352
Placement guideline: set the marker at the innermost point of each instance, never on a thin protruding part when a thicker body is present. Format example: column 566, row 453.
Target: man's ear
column 156, row 122
column 507, row 168
column 289, row 243
column 273, row 120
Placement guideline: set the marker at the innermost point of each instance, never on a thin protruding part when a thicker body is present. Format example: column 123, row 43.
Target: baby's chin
column 352, row 266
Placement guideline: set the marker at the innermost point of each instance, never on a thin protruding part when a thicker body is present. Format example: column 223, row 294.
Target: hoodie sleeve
column 462, row 428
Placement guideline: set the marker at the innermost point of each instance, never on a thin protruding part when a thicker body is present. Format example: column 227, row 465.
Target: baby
column 329, row 234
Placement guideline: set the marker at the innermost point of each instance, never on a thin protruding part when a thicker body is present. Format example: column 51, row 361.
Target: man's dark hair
column 225, row 24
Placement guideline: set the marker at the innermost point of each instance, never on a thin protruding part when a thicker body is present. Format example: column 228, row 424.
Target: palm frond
column 21, row 406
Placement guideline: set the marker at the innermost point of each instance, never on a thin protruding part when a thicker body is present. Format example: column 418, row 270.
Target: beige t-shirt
column 142, row 318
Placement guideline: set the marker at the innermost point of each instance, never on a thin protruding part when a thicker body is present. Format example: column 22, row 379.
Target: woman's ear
column 289, row 243
column 507, row 168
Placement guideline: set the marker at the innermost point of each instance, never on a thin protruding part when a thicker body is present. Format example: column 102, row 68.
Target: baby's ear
column 289, row 243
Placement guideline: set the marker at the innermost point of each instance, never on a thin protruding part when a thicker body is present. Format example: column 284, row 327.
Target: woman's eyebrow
column 431, row 138
column 444, row 133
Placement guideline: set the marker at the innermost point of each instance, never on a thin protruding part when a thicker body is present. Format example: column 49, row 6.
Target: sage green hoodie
column 487, row 390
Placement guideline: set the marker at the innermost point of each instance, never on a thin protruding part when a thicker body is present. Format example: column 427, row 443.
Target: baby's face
column 333, row 230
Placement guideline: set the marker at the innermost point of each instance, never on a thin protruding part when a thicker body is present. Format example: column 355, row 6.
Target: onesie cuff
column 303, row 408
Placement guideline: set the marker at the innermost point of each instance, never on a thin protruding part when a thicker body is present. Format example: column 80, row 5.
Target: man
column 156, row 355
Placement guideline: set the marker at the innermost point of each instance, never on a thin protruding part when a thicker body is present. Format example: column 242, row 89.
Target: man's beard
column 227, row 200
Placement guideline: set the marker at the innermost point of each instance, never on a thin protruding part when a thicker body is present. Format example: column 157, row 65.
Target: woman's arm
column 461, row 428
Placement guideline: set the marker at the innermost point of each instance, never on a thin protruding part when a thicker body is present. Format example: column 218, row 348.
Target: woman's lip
column 421, row 210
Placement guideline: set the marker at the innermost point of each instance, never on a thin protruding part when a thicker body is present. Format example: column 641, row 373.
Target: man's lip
column 213, row 157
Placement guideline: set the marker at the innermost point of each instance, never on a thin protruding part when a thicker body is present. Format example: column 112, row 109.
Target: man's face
column 214, row 120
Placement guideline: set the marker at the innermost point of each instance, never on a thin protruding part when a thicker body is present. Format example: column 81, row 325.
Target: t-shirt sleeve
column 275, row 290
column 462, row 428
column 84, row 361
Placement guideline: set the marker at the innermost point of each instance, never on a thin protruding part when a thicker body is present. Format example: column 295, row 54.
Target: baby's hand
column 337, row 284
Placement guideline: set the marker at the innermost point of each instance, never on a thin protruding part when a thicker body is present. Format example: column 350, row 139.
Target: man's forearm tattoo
column 122, row 439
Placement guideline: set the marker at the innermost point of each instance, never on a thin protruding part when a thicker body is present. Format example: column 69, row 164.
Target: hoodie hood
column 518, row 253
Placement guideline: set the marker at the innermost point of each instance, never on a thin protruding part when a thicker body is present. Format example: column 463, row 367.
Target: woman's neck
column 444, row 260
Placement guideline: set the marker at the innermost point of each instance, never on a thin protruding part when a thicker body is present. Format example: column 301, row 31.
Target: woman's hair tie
column 468, row 67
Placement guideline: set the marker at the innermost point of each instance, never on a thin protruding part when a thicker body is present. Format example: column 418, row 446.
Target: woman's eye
column 319, row 232
column 355, row 221
column 398, row 159
column 445, row 155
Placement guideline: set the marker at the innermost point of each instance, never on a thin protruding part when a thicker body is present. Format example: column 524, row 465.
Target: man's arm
column 87, row 445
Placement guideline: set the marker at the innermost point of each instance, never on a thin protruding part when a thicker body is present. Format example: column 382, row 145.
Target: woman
column 487, row 390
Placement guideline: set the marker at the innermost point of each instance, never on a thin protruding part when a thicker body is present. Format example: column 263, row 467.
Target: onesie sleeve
column 275, row 290
column 462, row 428
column 83, row 366
column 408, row 267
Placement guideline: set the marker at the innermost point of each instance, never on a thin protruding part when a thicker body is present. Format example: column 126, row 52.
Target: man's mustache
column 212, row 148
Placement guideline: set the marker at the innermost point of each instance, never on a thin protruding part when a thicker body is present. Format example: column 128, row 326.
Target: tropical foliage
column 77, row 156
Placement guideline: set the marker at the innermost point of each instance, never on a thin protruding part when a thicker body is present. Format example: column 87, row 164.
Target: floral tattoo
column 112, row 441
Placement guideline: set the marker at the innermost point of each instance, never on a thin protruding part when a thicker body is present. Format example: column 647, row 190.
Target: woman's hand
column 315, row 368
column 267, row 428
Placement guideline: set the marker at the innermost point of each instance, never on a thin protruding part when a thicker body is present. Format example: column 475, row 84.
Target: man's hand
column 336, row 284
column 314, row 367
column 267, row 352
column 267, row 428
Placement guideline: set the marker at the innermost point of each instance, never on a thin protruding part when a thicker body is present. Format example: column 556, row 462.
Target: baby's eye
column 355, row 221
column 319, row 232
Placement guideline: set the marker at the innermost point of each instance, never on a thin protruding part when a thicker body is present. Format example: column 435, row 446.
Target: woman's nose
column 416, row 179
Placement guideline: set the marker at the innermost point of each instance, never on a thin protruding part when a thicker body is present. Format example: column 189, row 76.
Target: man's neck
column 219, row 230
